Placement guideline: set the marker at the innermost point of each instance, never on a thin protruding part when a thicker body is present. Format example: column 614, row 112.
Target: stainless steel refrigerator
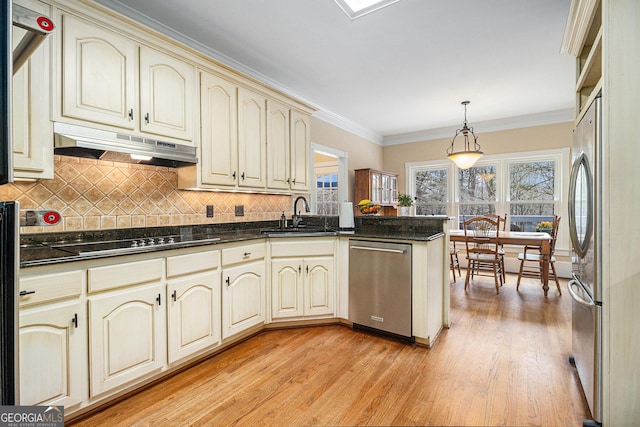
column 585, row 229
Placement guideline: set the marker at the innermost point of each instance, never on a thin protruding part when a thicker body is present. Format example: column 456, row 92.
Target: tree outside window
column 431, row 192
column 476, row 191
column 531, row 193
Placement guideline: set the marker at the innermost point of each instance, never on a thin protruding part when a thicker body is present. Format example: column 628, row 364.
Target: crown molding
column 529, row 120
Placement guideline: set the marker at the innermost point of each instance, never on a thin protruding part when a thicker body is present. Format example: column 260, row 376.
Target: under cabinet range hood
column 80, row 141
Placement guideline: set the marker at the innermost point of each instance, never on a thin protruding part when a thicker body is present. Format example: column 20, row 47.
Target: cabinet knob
column 234, row 175
column 131, row 114
column 299, row 269
column 242, row 176
column 74, row 320
column 146, row 118
column 174, row 295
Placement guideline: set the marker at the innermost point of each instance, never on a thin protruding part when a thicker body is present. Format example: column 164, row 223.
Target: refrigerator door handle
column 589, row 303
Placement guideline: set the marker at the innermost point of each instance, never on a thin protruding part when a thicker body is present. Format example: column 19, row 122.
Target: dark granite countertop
column 52, row 248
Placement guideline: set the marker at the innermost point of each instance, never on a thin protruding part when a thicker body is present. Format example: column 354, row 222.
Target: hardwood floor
column 504, row 361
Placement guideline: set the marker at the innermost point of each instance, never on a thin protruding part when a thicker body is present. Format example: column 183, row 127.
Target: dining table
column 521, row 238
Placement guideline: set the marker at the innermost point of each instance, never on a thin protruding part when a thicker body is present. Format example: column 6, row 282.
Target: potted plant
column 404, row 204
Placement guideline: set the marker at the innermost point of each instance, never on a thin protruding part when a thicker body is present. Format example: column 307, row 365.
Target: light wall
column 362, row 152
column 499, row 142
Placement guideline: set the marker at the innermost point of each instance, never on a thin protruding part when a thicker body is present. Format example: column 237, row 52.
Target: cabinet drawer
column 243, row 254
column 192, row 263
column 51, row 287
column 131, row 273
column 302, row 248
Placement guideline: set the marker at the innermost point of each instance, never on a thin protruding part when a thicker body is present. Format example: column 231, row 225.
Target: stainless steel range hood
column 79, row 141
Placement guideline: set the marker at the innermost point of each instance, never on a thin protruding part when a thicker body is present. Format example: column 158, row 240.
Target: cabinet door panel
column 167, row 88
column 219, row 139
column 286, row 288
column 319, row 286
column 194, row 314
column 278, row 154
column 51, row 356
column 99, row 74
column 251, row 139
column 126, row 335
column 300, row 140
column 243, row 298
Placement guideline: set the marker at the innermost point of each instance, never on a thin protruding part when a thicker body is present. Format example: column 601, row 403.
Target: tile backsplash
column 95, row 195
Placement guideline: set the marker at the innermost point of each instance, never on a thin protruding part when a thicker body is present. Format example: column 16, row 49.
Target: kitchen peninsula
column 132, row 318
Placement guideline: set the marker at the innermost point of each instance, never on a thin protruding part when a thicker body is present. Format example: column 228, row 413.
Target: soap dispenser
column 283, row 221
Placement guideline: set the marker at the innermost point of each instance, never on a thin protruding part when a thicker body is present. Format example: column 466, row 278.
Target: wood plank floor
column 503, row 362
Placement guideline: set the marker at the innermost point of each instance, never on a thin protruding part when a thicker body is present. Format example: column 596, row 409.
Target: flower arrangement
column 545, row 225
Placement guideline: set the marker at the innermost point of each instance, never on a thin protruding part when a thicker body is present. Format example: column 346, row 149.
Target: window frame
column 561, row 157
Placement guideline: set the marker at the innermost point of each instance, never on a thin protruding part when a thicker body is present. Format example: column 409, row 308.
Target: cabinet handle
column 234, row 175
column 246, row 254
column 307, row 269
column 75, row 320
column 242, row 176
column 299, row 269
column 228, row 281
column 23, row 293
column 288, row 180
column 159, row 299
column 173, row 295
column 131, row 114
column 294, row 181
column 146, row 118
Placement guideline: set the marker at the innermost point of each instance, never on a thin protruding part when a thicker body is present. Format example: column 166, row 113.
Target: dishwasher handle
column 369, row 248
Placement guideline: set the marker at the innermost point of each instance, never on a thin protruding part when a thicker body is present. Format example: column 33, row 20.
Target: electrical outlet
column 239, row 210
column 209, row 211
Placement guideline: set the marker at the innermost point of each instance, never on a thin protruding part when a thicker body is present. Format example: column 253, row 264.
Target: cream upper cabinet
column 278, row 157
column 288, row 138
column 99, row 74
column 167, row 93
column 251, row 139
column 110, row 80
column 300, row 143
column 219, row 137
column 31, row 127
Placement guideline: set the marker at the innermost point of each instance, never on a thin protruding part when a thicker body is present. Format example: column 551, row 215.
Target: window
column 528, row 186
column 431, row 195
column 532, row 193
column 327, row 193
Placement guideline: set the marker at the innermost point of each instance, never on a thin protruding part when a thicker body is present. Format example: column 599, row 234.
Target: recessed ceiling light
column 357, row 8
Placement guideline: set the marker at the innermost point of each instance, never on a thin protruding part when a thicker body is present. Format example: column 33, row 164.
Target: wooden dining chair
column 531, row 260
column 454, row 261
column 501, row 252
column 481, row 240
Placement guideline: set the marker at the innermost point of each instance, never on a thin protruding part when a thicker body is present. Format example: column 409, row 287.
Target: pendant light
column 467, row 157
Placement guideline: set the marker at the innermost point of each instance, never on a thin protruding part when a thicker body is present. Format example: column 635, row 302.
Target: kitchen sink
column 299, row 232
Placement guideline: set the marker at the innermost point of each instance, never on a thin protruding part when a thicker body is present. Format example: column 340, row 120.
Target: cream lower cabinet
column 52, row 327
column 193, row 294
column 302, row 286
column 243, row 288
column 51, row 354
column 127, row 323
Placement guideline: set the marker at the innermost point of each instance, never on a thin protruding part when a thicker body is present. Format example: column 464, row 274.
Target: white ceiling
column 394, row 75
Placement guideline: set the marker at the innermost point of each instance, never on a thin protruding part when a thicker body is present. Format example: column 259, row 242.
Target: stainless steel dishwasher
column 380, row 287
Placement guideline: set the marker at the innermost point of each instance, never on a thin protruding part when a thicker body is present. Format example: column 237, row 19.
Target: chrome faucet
column 296, row 215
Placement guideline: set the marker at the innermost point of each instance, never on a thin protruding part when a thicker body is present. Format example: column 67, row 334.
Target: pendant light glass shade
column 466, row 157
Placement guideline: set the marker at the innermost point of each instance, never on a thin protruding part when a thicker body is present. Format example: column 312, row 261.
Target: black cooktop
column 130, row 245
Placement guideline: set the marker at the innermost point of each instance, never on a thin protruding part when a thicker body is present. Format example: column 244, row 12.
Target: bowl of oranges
column 367, row 207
